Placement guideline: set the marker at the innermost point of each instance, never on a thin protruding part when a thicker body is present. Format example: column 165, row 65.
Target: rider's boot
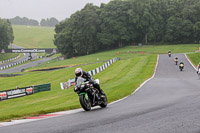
column 100, row 90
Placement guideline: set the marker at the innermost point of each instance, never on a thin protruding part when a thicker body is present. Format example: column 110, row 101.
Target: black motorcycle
column 181, row 66
column 89, row 96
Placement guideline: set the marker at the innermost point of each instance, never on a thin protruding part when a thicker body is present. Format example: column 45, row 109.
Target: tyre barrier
column 24, row 91
column 70, row 82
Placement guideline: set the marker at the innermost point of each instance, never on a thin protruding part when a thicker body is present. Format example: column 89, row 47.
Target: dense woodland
column 6, row 34
column 49, row 22
column 126, row 22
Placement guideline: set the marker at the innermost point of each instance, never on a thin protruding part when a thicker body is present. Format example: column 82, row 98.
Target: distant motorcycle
column 88, row 95
column 176, row 61
column 169, row 54
column 181, row 66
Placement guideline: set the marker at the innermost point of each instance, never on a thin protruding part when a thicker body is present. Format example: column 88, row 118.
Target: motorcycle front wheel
column 104, row 102
column 85, row 102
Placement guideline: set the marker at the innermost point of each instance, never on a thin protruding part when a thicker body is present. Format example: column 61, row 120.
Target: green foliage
column 195, row 58
column 7, row 56
column 123, row 22
column 6, row 34
column 77, row 35
column 115, row 27
column 49, row 22
column 24, row 21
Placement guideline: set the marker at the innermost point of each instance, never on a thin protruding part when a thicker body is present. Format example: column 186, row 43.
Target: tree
column 79, row 32
column 178, row 30
column 122, row 22
column 6, row 34
column 49, row 22
column 116, row 31
column 142, row 16
column 23, row 21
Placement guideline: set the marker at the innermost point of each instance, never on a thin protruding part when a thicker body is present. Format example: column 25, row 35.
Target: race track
column 21, row 67
column 168, row 103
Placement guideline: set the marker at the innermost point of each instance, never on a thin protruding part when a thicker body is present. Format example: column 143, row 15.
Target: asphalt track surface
column 15, row 61
column 25, row 65
column 168, row 103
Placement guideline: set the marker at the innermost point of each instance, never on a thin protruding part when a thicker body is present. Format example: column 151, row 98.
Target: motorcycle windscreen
column 79, row 81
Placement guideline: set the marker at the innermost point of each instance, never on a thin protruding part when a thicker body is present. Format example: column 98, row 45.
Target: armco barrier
column 18, row 92
column 43, row 87
column 70, row 82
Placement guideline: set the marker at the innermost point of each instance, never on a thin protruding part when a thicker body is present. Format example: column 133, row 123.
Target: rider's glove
column 75, row 89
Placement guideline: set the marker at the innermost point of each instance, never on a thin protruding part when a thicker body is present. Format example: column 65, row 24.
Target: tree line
column 6, row 34
column 124, row 22
column 49, row 22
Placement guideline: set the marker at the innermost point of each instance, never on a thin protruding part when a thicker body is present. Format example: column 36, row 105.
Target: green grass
column 194, row 58
column 124, row 53
column 163, row 49
column 7, row 56
column 118, row 80
column 33, row 37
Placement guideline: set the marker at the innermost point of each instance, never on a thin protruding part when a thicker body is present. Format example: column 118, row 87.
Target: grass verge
column 118, row 80
column 33, row 36
column 7, row 56
column 194, row 58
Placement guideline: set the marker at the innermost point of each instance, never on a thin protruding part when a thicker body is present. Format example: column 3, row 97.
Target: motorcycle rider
column 88, row 77
column 180, row 64
column 176, row 59
column 198, row 67
column 169, row 53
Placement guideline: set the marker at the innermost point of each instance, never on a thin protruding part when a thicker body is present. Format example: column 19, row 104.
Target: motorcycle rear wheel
column 85, row 102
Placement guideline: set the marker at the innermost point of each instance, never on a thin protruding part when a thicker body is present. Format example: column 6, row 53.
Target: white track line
column 14, row 122
column 190, row 62
column 141, row 84
column 149, row 78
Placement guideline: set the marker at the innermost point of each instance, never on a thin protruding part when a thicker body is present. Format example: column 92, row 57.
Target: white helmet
column 78, row 72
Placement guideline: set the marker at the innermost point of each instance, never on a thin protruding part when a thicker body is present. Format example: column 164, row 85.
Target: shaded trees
column 122, row 22
column 116, row 31
column 24, row 21
column 49, row 22
column 6, row 34
column 79, row 33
